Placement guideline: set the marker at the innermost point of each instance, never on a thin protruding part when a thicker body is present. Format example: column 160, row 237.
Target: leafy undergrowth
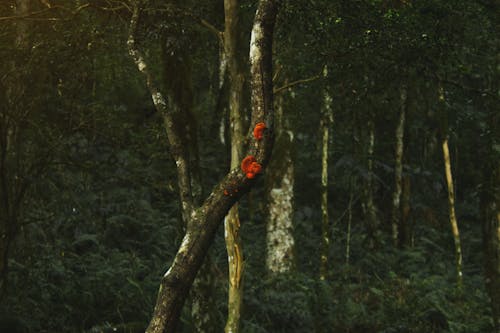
column 91, row 282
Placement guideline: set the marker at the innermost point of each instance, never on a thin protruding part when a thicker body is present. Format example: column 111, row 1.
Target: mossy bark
column 280, row 182
column 236, row 75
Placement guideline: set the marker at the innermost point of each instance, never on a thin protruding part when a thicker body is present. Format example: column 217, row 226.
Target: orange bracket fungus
column 258, row 131
column 250, row 166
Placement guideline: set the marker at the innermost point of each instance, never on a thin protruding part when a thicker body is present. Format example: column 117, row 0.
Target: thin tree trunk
column 326, row 122
column 177, row 63
column 236, row 117
column 451, row 195
column 370, row 209
column 398, row 167
column 235, row 262
column 451, row 206
column 280, row 242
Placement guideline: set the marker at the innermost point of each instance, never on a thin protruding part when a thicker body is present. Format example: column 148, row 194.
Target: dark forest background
column 89, row 210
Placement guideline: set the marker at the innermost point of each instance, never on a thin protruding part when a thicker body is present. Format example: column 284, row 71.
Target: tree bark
column 451, row 193
column 398, row 167
column 280, row 242
column 236, row 76
column 325, row 123
column 204, row 220
column 451, row 208
column 177, row 64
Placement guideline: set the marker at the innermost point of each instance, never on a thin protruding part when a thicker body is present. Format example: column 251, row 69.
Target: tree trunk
column 325, row 123
column 232, row 221
column 369, row 205
column 451, row 209
column 177, row 63
column 280, row 184
column 203, row 220
column 451, row 195
column 398, row 168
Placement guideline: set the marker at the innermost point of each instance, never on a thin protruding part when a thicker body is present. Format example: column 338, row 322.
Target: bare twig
column 294, row 83
column 35, row 16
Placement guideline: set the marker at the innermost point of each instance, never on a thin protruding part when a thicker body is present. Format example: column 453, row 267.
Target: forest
column 250, row 166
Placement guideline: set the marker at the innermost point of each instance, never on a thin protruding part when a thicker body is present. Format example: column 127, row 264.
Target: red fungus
column 247, row 161
column 250, row 166
column 255, row 168
column 258, row 131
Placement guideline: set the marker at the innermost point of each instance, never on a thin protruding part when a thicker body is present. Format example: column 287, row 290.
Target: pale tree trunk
column 203, row 220
column 325, row 123
column 398, row 167
column 221, row 104
column 369, row 204
column 451, row 208
column 232, row 221
column 451, row 194
column 280, row 185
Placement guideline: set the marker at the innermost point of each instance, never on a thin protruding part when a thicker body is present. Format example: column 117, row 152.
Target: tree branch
column 35, row 16
column 177, row 144
column 294, row 83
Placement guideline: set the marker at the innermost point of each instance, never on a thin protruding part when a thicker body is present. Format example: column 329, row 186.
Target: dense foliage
column 99, row 219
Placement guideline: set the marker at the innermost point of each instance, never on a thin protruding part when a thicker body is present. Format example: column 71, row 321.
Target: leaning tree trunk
column 232, row 221
column 177, row 63
column 451, row 193
column 451, row 208
column 204, row 220
column 280, row 242
column 398, row 167
column 325, row 123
